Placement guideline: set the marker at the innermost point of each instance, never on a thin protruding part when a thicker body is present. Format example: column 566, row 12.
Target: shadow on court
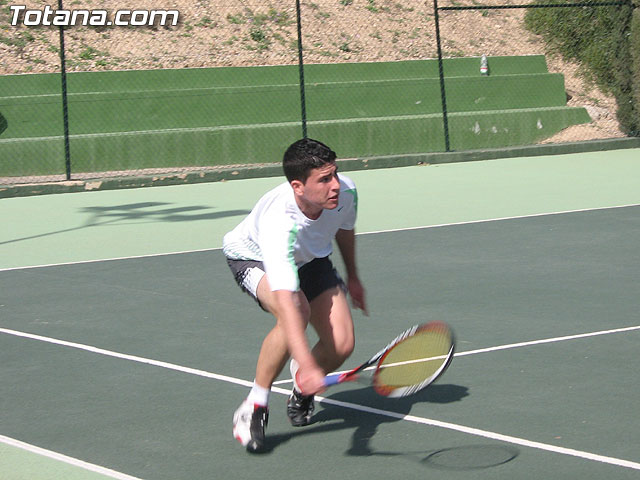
column 150, row 211
column 100, row 216
column 365, row 425
column 470, row 457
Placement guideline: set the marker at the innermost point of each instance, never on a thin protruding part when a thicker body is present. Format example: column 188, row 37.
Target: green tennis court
column 125, row 345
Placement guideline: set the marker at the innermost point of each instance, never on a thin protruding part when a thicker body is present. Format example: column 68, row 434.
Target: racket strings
column 414, row 360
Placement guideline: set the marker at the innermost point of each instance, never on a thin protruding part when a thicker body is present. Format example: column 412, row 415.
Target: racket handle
column 332, row 379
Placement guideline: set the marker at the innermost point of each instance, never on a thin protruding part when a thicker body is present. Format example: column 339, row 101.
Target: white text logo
column 20, row 15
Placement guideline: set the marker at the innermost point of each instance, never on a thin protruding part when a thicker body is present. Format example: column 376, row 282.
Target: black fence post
column 303, row 104
column 65, row 108
column 443, row 95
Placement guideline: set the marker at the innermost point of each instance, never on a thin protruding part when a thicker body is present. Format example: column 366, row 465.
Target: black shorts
column 315, row 277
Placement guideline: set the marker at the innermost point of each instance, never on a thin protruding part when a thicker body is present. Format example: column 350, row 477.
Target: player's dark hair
column 303, row 156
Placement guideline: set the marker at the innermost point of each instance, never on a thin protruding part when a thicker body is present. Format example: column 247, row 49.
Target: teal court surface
column 125, row 345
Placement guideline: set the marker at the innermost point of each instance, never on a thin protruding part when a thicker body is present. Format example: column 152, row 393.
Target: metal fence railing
column 97, row 89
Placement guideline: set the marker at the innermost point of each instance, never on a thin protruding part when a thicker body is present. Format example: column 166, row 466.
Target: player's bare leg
column 331, row 318
column 274, row 352
column 251, row 418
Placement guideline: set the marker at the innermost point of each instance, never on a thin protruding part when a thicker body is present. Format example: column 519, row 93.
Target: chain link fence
column 202, row 85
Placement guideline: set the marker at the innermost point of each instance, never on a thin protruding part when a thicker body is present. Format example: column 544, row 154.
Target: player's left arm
column 346, row 240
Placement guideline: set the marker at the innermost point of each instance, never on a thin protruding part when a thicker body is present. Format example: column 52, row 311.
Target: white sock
column 259, row 395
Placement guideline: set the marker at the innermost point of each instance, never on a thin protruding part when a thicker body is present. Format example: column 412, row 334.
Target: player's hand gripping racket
column 413, row 360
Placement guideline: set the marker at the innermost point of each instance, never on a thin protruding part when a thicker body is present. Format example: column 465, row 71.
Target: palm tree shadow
column 363, row 412
column 143, row 212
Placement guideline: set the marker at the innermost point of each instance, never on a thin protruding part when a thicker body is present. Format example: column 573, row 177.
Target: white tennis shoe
column 249, row 423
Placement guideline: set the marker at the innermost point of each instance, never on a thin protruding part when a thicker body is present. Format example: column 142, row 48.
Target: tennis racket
column 410, row 362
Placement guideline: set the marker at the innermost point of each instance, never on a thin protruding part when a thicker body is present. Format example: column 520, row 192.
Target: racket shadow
column 331, row 418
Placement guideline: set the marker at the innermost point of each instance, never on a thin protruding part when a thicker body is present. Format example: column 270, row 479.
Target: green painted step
column 176, row 118
column 263, row 143
column 145, row 80
column 197, row 108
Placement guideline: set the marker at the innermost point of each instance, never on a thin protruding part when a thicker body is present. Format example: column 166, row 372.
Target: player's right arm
column 278, row 240
column 291, row 312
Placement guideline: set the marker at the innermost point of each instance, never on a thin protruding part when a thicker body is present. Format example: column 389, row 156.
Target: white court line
column 486, row 434
column 65, row 459
column 372, row 232
column 510, row 346
column 410, row 418
column 82, row 262
column 499, row 219
column 548, row 340
column 124, row 356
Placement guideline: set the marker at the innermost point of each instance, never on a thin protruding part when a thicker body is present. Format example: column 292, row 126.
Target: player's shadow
column 363, row 412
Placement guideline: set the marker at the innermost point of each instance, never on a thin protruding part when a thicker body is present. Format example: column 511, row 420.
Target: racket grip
column 334, row 379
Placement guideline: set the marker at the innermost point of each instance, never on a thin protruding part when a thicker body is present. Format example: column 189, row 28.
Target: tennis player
column 279, row 255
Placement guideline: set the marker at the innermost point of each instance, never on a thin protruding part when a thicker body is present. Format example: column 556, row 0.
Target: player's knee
column 344, row 346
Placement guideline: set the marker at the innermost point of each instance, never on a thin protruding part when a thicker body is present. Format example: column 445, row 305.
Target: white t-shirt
column 277, row 233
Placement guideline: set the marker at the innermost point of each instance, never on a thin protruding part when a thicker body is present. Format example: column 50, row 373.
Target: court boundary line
column 373, row 232
column 75, row 462
column 511, row 346
column 411, row 418
column 487, row 434
column 500, row 219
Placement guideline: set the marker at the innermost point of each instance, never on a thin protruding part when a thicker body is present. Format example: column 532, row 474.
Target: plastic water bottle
column 484, row 65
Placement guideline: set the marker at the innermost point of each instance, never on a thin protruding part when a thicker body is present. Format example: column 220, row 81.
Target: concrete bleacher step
column 245, row 114
column 111, row 112
column 189, row 78
column 260, row 143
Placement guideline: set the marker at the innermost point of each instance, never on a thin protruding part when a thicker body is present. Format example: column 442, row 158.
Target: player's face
column 321, row 191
